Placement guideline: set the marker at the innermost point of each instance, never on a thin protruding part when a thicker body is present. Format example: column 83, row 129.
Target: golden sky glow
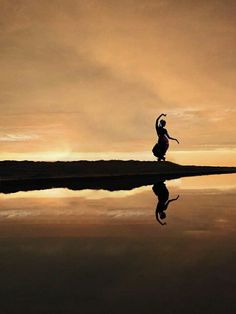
column 91, row 76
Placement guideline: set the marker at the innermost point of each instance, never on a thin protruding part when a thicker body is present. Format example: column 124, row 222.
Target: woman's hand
column 163, row 114
column 177, row 141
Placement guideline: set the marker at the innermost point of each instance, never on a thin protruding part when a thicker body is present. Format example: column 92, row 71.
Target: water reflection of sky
column 104, row 252
column 206, row 204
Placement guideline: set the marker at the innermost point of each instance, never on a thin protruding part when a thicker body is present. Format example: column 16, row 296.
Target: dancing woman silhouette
column 161, row 147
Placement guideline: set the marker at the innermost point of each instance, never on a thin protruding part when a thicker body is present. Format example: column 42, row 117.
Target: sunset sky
column 88, row 78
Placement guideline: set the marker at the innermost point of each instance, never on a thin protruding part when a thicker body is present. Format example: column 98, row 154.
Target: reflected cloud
column 198, row 233
column 119, row 212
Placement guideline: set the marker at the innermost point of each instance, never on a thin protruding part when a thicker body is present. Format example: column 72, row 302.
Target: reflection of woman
column 162, row 194
column 159, row 150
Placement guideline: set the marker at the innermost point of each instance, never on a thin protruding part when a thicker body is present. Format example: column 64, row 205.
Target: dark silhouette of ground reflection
column 162, row 194
column 115, row 183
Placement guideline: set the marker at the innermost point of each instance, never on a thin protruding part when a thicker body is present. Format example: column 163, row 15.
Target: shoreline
column 31, row 170
column 109, row 175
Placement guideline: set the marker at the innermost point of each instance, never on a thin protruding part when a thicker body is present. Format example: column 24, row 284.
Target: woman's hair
column 162, row 123
column 162, row 215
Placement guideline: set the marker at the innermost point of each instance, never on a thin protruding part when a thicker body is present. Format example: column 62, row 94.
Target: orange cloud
column 93, row 75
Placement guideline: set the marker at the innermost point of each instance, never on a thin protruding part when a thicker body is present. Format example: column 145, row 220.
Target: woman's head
column 162, row 123
column 162, row 215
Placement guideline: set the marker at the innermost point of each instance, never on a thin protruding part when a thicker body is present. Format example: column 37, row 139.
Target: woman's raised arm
column 157, row 120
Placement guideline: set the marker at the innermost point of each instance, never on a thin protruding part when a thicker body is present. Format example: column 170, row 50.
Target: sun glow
column 216, row 157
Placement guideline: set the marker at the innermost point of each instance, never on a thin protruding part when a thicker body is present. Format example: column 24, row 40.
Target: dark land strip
column 108, row 175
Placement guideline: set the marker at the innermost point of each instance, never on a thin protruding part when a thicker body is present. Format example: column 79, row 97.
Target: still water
column 88, row 251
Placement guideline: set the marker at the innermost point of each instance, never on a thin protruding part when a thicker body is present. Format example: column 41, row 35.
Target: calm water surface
column 90, row 251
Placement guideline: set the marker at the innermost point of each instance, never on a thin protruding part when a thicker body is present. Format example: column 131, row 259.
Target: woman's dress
column 162, row 145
